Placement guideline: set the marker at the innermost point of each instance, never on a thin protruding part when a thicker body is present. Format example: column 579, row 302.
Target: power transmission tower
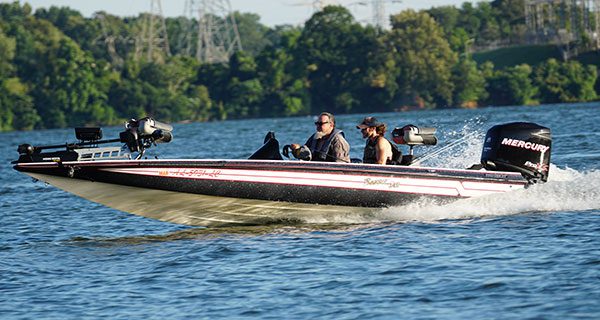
column 564, row 22
column 109, row 40
column 318, row 5
column 217, row 34
column 379, row 13
column 153, row 40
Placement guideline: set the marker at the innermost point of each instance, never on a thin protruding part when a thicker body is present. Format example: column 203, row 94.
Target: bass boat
column 268, row 189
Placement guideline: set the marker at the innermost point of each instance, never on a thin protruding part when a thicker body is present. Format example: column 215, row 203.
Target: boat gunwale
column 295, row 166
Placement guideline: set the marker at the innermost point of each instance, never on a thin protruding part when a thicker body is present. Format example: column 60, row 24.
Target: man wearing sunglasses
column 326, row 144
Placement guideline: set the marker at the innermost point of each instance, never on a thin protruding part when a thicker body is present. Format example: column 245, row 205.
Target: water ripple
column 530, row 255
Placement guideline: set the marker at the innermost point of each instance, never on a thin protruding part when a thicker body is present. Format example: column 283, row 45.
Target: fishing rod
column 426, row 156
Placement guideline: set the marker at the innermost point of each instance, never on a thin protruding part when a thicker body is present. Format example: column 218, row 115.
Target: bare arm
column 383, row 151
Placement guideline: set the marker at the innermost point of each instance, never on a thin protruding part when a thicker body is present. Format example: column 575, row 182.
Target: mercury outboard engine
column 518, row 147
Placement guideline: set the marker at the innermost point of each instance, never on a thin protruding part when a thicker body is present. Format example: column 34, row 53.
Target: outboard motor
column 518, row 147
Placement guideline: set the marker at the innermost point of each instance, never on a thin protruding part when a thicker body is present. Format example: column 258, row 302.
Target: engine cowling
column 519, row 147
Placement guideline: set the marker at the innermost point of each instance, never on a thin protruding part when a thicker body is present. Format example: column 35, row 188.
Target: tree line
column 55, row 70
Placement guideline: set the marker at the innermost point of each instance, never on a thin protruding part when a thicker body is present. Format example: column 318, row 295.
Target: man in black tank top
column 378, row 149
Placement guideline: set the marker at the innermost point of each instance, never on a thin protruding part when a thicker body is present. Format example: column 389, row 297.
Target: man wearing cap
column 377, row 149
column 326, row 144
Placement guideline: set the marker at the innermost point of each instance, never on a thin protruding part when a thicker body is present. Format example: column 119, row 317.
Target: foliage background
column 55, row 70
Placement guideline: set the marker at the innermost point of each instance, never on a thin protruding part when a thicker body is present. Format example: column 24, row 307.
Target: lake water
column 531, row 254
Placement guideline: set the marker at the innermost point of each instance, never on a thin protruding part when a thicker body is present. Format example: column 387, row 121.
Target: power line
column 217, row 36
column 153, row 40
column 564, row 22
column 108, row 39
column 378, row 12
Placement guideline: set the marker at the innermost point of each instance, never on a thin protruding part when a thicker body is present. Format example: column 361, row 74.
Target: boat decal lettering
column 525, row 145
column 537, row 166
column 390, row 184
column 192, row 173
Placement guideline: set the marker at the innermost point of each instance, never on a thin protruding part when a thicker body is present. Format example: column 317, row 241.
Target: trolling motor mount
column 412, row 136
column 138, row 136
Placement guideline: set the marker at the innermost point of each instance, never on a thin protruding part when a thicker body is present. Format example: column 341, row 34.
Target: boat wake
column 567, row 190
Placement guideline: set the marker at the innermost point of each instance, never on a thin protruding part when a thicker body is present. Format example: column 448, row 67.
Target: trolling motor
column 138, row 136
column 412, row 136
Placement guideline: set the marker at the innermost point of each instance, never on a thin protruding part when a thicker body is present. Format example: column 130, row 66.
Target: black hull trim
column 211, row 193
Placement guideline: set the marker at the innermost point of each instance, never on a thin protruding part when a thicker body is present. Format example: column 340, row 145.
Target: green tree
column 246, row 97
column 511, row 19
column 244, row 88
column 61, row 75
column 335, row 51
column 513, row 86
column 490, row 29
column 469, row 83
column 253, row 33
column 285, row 92
column 446, row 16
column 14, row 13
column 85, row 32
column 423, row 59
column 128, row 99
column 565, row 82
column 200, row 105
column 8, row 47
column 175, row 75
column 469, row 20
column 582, row 81
column 16, row 106
column 380, row 83
column 215, row 78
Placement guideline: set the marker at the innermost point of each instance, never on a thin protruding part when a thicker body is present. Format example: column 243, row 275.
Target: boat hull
column 230, row 192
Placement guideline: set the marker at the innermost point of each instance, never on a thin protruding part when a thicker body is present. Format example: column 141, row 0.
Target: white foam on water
column 566, row 190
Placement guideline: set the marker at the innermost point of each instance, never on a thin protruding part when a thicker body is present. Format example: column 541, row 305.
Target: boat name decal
column 191, row 173
column 525, row 145
column 390, row 184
